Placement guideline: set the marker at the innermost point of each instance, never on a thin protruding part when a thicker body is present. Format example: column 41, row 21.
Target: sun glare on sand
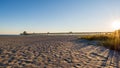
column 116, row 25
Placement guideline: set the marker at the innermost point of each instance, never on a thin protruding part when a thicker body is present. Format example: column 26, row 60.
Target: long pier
column 71, row 33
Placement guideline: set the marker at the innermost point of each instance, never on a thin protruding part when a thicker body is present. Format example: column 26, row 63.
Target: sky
column 40, row 16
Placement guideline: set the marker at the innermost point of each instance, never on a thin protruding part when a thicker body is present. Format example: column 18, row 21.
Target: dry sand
column 54, row 52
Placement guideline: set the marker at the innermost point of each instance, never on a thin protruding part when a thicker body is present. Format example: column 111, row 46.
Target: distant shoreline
column 62, row 33
column 9, row 34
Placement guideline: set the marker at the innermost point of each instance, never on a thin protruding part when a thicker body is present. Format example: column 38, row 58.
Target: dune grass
column 110, row 41
column 95, row 37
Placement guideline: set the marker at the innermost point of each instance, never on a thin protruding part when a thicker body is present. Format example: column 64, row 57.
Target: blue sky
column 57, row 15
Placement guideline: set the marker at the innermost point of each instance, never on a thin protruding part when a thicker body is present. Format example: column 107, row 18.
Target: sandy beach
column 54, row 52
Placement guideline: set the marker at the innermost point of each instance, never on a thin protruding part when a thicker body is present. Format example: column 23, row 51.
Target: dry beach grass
column 54, row 52
column 111, row 41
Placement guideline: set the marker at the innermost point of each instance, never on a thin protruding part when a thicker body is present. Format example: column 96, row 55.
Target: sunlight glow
column 116, row 25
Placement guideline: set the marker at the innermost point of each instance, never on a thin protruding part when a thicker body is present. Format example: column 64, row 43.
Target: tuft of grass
column 95, row 37
column 111, row 44
column 108, row 41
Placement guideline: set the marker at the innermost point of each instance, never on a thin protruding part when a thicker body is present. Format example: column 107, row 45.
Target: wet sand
column 54, row 52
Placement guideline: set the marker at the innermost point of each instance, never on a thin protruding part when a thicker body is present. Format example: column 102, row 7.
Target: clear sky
column 57, row 15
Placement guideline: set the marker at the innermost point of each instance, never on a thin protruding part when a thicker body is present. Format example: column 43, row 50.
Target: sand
column 54, row 52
